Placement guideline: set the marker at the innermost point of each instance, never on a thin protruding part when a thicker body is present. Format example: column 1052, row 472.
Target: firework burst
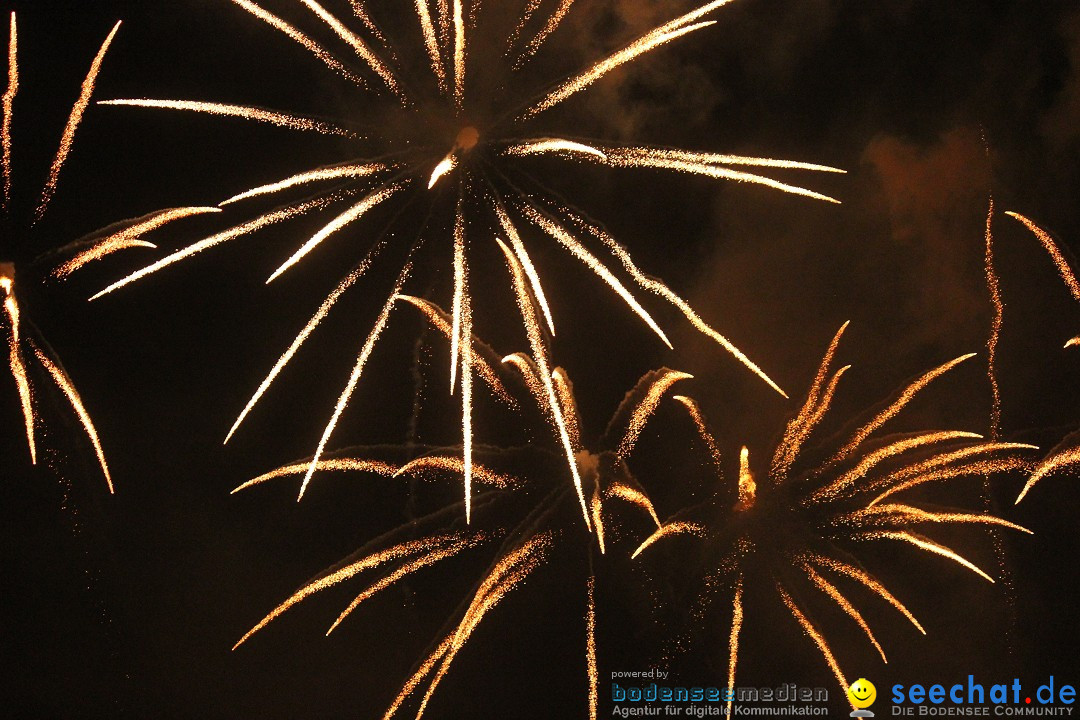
column 439, row 137
column 797, row 526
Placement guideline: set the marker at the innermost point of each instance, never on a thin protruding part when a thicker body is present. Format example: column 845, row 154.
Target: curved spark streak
column 905, row 514
column 230, row 234
column 445, row 166
column 525, row 366
column 361, row 13
column 659, row 288
column 596, row 507
column 331, row 465
column 18, row 368
column 733, row 638
column 814, row 635
column 356, row 44
column 405, row 570
column 927, row 545
column 526, row 264
column 460, row 292
column 552, row 145
column 564, row 389
column 72, row 395
column 837, row 597
column 456, row 465
column 645, row 409
column 1048, row 467
column 341, row 221
column 891, row 450
column 648, row 42
column 720, row 159
column 675, row 528
column 863, row 577
column 299, row 340
column 479, row 366
column 8, row 106
column 129, row 238
column 396, row 552
column 890, row 412
column 77, row 111
column 581, row 253
column 635, row 497
column 941, row 467
column 621, row 159
column 993, row 286
column 331, row 173
column 1073, row 342
column 532, row 328
column 300, row 38
column 703, row 430
column 1055, row 253
column 245, row 112
column 354, row 377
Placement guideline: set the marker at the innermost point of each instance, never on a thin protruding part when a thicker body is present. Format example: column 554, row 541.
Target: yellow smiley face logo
column 862, row 693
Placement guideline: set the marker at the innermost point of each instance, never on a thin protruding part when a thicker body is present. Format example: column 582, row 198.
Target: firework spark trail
column 1049, row 466
column 1073, row 342
column 361, row 14
column 863, row 577
column 526, row 16
column 509, row 572
column 532, row 328
column 980, row 467
column 445, row 166
column 18, row 368
column 552, row 145
column 1055, row 253
column 650, row 41
column 943, row 467
column 354, row 377
column 645, row 409
column 422, row 672
column 299, row 340
column 659, row 288
column 526, row 263
column 460, row 291
column 733, row 638
column 443, row 7
column 700, row 158
column 924, row 544
column 747, row 484
column 62, row 382
column 564, row 390
column 702, row 428
column 77, row 111
column 466, row 407
column 456, row 465
column 581, row 253
column 479, row 365
column 814, row 635
column 675, row 528
column 907, row 514
column 803, row 430
column 397, row 552
column 623, row 159
column 410, row 567
column 459, row 55
column 524, row 364
column 993, row 285
column 891, row 411
column 837, row 597
column 358, row 45
column 329, row 465
column 590, row 648
column 800, row 426
column 891, row 450
column 342, row 221
column 9, row 105
column 330, row 173
column 596, row 507
column 292, row 122
column 300, row 38
column 552, row 24
column 230, row 234
column 633, row 496
column 129, row 237
column 431, row 42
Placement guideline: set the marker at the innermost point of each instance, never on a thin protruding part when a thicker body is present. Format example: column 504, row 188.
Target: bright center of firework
column 467, row 139
column 7, row 276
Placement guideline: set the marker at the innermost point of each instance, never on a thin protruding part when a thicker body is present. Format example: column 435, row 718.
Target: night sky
column 128, row 605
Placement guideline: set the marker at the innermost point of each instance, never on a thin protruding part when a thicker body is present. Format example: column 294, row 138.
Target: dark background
column 128, row 605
